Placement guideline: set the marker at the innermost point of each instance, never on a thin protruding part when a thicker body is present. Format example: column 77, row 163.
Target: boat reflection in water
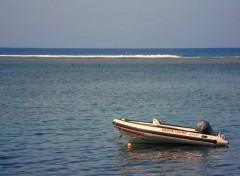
column 175, row 160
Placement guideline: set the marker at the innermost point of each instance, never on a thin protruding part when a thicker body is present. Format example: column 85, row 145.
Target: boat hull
column 140, row 132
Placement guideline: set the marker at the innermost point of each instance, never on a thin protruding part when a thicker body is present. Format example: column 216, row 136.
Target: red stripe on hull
column 130, row 130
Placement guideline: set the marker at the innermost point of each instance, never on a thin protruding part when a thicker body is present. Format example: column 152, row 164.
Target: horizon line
column 123, row 47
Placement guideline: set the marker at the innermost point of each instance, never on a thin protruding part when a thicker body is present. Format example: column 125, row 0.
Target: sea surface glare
column 56, row 114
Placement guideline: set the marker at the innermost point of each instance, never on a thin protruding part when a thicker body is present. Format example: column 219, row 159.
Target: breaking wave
column 95, row 56
column 157, row 56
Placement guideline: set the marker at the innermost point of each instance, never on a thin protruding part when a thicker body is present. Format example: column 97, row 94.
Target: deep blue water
column 56, row 113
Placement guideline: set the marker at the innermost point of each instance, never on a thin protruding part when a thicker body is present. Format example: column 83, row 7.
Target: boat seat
column 157, row 122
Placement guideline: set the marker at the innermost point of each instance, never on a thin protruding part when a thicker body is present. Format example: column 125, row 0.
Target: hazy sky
column 120, row 23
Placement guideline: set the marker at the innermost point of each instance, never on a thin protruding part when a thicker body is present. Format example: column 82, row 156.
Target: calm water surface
column 56, row 115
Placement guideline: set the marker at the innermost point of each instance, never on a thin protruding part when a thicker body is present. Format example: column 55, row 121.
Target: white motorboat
column 161, row 133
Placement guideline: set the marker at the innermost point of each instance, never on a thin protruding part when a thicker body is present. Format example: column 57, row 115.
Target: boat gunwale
column 174, row 127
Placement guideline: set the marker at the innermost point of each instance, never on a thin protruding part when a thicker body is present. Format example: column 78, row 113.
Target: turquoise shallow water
column 56, row 115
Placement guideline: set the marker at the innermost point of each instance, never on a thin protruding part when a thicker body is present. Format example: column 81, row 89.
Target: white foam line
column 94, row 56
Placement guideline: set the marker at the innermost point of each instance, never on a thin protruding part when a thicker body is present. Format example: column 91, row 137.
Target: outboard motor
column 204, row 128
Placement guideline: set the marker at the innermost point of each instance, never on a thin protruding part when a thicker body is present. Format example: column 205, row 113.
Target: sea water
column 56, row 110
